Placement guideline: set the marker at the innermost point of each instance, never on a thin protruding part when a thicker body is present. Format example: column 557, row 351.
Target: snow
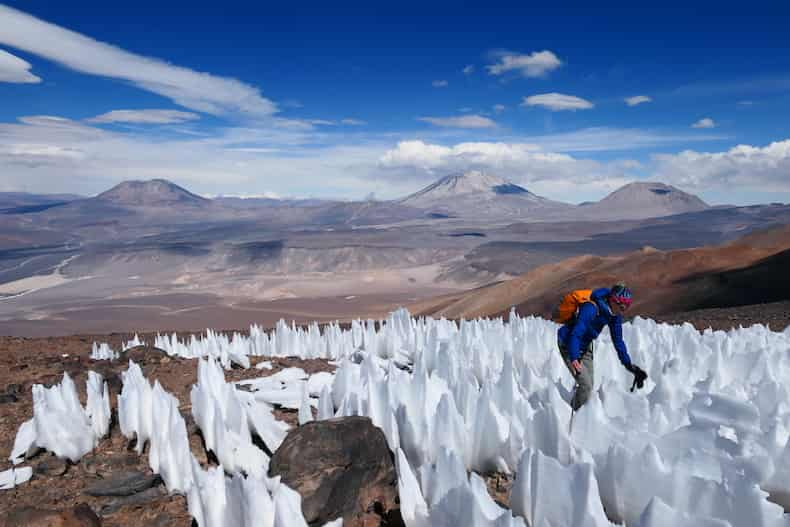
column 60, row 424
column 103, row 352
column 14, row 476
column 220, row 410
column 706, row 442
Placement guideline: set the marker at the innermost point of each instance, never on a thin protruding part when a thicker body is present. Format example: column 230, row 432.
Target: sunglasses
column 621, row 306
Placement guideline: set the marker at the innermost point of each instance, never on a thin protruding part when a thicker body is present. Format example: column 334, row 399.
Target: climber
column 583, row 314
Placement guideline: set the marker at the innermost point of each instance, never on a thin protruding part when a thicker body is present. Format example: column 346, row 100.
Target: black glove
column 639, row 376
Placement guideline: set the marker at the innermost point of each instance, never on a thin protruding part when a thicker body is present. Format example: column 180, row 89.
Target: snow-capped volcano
column 472, row 182
column 481, row 194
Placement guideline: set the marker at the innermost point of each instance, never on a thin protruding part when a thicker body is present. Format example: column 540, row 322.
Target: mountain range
column 748, row 270
column 472, row 195
column 147, row 254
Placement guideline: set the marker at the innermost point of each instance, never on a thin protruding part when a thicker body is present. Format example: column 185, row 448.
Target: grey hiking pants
column 585, row 379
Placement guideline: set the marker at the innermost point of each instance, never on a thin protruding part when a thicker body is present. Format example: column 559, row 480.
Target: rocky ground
column 61, row 486
column 775, row 315
column 57, row 485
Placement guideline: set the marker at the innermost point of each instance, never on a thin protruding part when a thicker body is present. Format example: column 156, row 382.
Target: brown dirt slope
column 748, row 270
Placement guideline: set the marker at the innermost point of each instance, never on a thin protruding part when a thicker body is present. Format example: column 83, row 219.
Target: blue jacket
column 585, row 327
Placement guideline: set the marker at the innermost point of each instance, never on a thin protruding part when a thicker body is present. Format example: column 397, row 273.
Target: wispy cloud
column 353, row 122
column 192, row 89
column 637, row 99
column 463, row 121
column 536, row 64
column 499, row 108
column 322, row 122
column 144, row 117
column 557, row 102
column 52, row 154
column 468, row 69
column 13, row 69
column 608, row 139
column 705, row 122
column 743, row 86
column 439, row 84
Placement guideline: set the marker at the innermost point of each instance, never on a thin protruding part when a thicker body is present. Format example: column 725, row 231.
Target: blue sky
column 345, row 101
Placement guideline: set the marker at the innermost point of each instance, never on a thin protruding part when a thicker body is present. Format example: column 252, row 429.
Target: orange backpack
column 570, row 305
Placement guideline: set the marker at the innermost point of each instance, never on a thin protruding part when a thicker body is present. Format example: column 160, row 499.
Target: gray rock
column 52, row 466
column 141, row 498
column 124, row 484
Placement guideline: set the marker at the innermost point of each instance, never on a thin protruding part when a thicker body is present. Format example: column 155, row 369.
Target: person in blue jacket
column 575, row 338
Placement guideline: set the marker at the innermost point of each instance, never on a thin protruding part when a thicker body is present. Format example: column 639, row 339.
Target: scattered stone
column 144, row 354
column 141, row 498
column 79, row 516
column 340, row 467
column 8, row 398
column 162, row 520
column 52, row 466
column 124, row 484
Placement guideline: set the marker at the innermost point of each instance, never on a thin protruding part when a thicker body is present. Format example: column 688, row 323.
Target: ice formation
column 14, row 476
column 705, row 443
column 60, row 424
column 103, row 352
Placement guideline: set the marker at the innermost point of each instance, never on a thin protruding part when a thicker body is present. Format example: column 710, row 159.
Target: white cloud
column 322, row 122
column 144, row 117
column 742, row 167
column 13, row 69
column 637, row 99
column 463, row 121
column 468, row 69
column 192, row 89
column 353, row 122
column 706, row 122
column 52, row 154
column 557, row 102
column 536, row 64
column 746, row 103
column 556, row 175
column 439, row 84
column 499, row 108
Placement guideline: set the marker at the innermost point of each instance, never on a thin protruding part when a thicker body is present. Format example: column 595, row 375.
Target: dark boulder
column 144, row 354
column 340, row 467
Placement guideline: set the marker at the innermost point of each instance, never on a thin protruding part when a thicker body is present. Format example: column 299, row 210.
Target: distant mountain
column 25, row 203
column 749, row 269
column 155, row 192
column 481, row 195
column 642, row 200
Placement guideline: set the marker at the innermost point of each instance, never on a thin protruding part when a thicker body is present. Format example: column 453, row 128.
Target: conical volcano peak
column 480, row 195
column 470, row 182
column 151, row 192
column 645, row 199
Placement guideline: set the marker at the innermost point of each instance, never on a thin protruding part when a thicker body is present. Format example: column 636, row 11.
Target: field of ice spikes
column 704, row 444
